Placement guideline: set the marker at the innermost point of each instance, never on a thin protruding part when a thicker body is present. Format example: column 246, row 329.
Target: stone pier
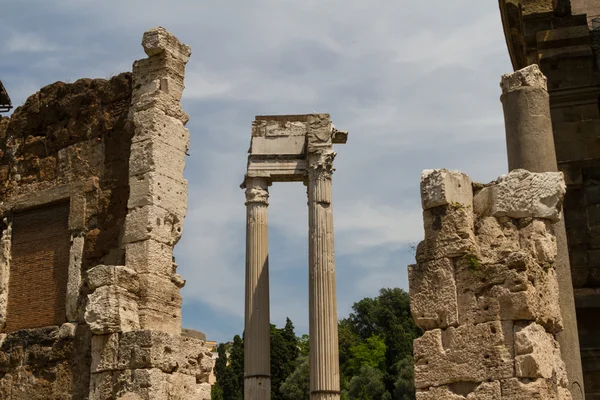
column 257, row 329
column 292, row 148
column 530, row 146
column 485, row 288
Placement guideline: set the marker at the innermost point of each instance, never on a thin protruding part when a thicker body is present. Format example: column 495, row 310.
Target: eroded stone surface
column 440, row 187
column 485, row 289
column 433, row 294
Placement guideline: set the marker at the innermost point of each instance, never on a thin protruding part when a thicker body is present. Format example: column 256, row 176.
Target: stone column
column 257, row 328
column 530, row 146
column 324, row 353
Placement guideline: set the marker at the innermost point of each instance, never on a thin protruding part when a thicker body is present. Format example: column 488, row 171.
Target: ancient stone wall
column 69, row 143
column 484, row 288
column 567, row 49
column 111, row 153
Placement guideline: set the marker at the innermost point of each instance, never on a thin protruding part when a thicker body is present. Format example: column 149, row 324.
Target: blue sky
column 415, row 83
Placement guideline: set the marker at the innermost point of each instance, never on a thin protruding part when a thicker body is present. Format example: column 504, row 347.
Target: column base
column 324, row 396
column 257, row 388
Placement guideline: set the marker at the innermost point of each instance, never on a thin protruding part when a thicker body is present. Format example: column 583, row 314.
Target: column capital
column 530, row 76
column 257, row 190
column 320, row 164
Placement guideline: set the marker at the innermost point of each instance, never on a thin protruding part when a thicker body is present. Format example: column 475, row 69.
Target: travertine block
column 112, row 309
column 158, row 190
column 165, row 319
column 463, row 391
column 539, row 389
column 161, row 102
column 441, row 187
column 538, row 238
column 153, row 222
column 102, row 385
column 195, row 359
column 148, row 349
column 105, row 350
column 469, row 353
column 156, row 156
column 517, row 289
column 538, row 354
column 157, row 126
column 150, row 256
column 158, row 40
column 433, row 294
column 448, row 233
column 523, row 194
column 104, row 275
column 496, row 239
column 148, row 384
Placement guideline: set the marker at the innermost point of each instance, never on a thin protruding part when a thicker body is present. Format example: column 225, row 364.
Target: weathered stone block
column 112, row 309
column 433, row 294
column 516, row 289
column 539, row 389
column 469, row 353
column 105, row 350
column 463, row 391
column 195, row 359
column 441, row 187
column 158, row 40
column 538, row 354
column 448, row 233
column 538, row 238
column 150, row 256
column 148, row 349
column 165, row 319
column 496, row 240
column 158, row 190
column 156, row 156
column 104, row 275
column 156, row 126
column 523, row 194
column 153, row 222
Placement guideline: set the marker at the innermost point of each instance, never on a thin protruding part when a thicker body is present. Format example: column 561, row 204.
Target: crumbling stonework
column 484, row 288
column 112, row 154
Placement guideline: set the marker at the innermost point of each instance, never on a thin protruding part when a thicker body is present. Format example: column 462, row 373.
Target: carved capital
column 320, row 164
column 257, row 190
column 530, row 76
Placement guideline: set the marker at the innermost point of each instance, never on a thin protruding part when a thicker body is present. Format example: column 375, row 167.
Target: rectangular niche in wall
column 39, row 268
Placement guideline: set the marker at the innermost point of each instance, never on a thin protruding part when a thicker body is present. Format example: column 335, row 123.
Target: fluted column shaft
column 530, row 146
column 324, row 353
column 257, row 364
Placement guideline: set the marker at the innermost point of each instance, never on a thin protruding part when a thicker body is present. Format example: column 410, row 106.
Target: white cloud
column 415, row 89
column 29, row 43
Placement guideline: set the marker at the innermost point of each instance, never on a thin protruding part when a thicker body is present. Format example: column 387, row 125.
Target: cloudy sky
column 415, row 83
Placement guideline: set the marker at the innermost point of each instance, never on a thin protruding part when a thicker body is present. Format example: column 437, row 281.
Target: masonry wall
column 561, row 41
column 67, row 143
column 484, row 289
column 108, row 155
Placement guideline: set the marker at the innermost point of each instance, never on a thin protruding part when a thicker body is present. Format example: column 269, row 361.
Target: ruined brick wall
column 66, row 140
column 484, row 289
column 109, row 156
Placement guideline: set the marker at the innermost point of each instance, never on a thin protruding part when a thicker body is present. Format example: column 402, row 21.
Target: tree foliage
column 375, row 346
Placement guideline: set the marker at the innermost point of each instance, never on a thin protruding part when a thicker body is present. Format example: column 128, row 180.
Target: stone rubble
column 484, row 288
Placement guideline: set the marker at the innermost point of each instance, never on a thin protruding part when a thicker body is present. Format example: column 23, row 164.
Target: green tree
column 370, row 352
column 296, row 386
column 387, row 317
column 404, row 384
column 304, row 345
column 284, row 353
column 367, row 385
column 236, row 362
